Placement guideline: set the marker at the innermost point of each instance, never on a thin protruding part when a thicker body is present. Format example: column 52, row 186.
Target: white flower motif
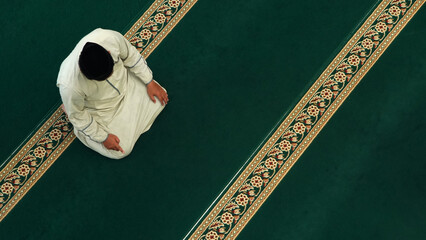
column 326, row 93
column 145, row 34
column 212, row 236
column 313, row 111
column 353, row 60
column 299, row 128
column 394, row 11
column 381, row 27
column 242, row 199
column 227, row 218
column 6, row 188
column 55, row 135
column 367, row 43
column 160, row 18
column 271, row 163
column 174, row 3
column 23, row 170
column 285, row 145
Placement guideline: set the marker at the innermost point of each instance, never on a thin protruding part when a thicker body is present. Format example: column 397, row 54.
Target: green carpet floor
column 363, row 177
column 232, row 70
column 36, row 37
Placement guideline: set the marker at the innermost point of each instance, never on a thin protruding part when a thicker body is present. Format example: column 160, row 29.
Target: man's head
column 95, row 62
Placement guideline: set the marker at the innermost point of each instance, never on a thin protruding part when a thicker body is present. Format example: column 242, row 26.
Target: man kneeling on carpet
column 108, row 92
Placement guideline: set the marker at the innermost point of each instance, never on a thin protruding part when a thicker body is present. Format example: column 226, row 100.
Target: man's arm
column 134, row 61
column 79, row 117
column 84, row 122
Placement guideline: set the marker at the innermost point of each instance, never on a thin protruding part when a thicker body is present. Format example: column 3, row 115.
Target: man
column 108, row 93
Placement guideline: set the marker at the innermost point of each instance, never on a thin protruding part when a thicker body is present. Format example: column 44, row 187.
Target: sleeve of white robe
column 133, row 60
column 79, row 117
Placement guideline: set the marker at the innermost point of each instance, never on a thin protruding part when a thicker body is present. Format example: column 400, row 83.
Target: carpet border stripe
column 45, row 146
column 229, row 215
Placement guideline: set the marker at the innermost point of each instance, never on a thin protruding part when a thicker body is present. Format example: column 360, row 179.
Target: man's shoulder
column 102, row 33
column 69, row 74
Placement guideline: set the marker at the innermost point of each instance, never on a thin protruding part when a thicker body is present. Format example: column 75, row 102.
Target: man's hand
column 155, row 90
column 112, row 142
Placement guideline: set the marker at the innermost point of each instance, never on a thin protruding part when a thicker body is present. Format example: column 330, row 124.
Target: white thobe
column 119, row 105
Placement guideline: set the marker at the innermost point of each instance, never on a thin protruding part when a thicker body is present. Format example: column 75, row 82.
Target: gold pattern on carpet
column 29, row 164
column 227, row 218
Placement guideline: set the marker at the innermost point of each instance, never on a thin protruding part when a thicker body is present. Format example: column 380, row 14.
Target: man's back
column 103, row 111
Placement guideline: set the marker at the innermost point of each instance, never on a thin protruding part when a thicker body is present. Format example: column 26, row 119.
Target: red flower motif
column 174, row 3
column 212, row 236
column 39, row 152
column 367, row 43
column 271, row 163
column 326, row 93
column 55, row 135
column 394, row 11
column 160, row 18
column 227, row 218
column 23, row 170
column 354, row 60
column 285, row 145
column 256, row 181
column 145, row 34
column 313, row 111
column 381, row 27
column 242, row 199
column 299, row 128
column 6, row 188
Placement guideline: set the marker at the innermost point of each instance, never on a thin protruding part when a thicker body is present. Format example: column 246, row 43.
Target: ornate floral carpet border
column 227, row 218
column 29, row 164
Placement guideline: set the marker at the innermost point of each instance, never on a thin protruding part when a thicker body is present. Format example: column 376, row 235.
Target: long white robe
column 119, row 105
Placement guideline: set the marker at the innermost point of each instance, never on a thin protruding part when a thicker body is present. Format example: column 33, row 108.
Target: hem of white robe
column 100, row 148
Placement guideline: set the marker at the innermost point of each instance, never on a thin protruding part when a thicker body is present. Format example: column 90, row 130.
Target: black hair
column 95, row 62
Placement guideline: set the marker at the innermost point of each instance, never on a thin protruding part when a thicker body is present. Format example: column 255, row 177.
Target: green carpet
column 36, row 37
column 363, row 177
column 232, row 70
